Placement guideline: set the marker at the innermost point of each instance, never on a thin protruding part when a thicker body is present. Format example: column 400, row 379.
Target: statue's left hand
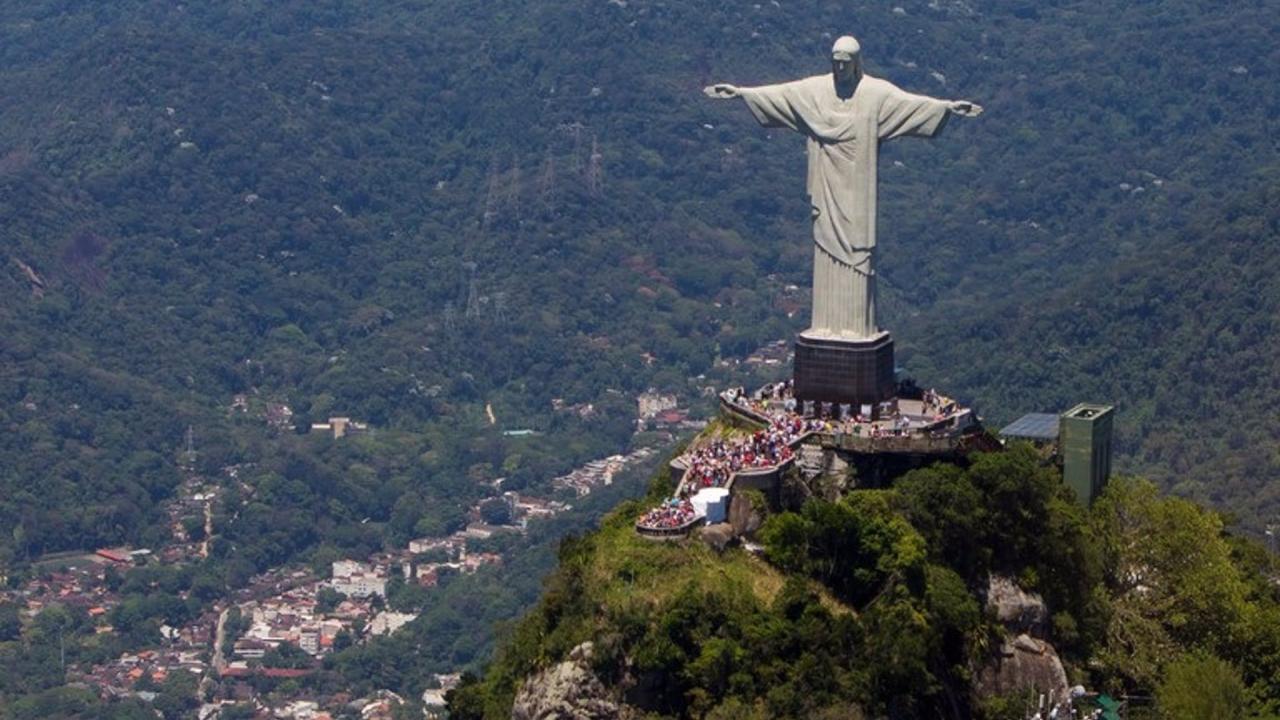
column 721, row 91
column 965, row 108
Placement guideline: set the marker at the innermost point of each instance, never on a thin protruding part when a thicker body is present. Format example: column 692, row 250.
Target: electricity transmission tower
column 547, row 181
column 473, row 293
column 595, row 169
column 189, row 448
column 492, row 196
column 500, row 307
column 513, row 186
column 450, row 318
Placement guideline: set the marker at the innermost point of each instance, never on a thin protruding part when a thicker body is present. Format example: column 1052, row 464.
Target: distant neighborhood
column 286, row 620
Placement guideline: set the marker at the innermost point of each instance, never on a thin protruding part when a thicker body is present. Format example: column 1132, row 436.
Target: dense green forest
column 406, row 211
column 1182, row 337
column 286, row 198
column 872, row 605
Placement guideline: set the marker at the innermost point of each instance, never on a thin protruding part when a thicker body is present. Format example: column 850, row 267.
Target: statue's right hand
column 721, row 90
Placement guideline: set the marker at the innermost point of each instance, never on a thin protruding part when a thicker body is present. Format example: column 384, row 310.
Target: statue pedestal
column 835, row 370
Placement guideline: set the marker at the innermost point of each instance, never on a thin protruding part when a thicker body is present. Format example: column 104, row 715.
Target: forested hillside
column 1183, row 337
column 285, row 197
column 881, row 605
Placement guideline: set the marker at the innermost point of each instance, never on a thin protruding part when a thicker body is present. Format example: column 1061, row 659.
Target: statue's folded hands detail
column 844, row 116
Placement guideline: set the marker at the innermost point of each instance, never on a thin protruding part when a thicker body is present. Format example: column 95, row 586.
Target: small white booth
column 712, row 503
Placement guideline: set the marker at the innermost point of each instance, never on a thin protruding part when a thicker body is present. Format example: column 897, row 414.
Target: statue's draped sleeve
column 844, row 136
column 782, row 105
column 903, row 113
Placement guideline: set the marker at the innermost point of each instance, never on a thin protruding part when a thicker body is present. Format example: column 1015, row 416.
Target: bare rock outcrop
column 1018, row 610
column 744, row 516
column 719, row 536
column 1025, row 659
column 38, row 285
column 567, row 691
column 1023, row 663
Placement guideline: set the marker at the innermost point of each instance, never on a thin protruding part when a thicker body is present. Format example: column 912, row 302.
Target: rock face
column 567, row 691
column 718, row 536
column 1025, row 660
column 744, row 516
column 1024, row 663
column 1018, row 610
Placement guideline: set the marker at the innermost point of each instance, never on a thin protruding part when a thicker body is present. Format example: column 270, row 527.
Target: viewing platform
column 932, row 426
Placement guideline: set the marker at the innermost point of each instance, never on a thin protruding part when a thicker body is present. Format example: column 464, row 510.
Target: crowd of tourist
column 713, row 463
column 672, row 513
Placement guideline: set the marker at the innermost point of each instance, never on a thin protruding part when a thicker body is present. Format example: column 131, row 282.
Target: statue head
column 846, row 59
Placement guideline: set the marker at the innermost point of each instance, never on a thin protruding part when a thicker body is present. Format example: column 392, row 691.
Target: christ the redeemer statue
column 844, row 117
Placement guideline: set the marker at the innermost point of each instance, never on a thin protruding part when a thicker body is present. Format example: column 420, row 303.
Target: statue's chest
column 838, row 110
column 846, row 119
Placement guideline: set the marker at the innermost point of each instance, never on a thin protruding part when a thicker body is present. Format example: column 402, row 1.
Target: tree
column 239, row 711
column 10, row 622
column 177, row 697
column 327, row 599
column 853, row 545
column 194, row 527
column 207, row 587
column 495, row 511
column 112, row 578
column 440, row 518
column 406, row 597
column 1171, row 578
column 1201, row 687
column 786, row 540
column 342, row 640
column 287, row 655
column 951, row 513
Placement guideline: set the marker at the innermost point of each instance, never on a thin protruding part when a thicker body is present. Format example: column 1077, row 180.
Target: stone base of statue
column 838, row 371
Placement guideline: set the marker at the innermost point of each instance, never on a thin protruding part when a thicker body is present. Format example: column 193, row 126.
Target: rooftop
column 1033, row 426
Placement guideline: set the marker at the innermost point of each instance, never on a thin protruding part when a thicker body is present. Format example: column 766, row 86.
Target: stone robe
column 844, row 138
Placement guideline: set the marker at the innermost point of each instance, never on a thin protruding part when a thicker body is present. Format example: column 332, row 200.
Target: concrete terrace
column 933, row 425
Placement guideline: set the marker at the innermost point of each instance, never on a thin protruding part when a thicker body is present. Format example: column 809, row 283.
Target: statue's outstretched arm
column 965, row 108
column 721, row 91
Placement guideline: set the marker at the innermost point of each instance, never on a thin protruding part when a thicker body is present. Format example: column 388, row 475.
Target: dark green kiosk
column 1084, row 439
column 1079, row 437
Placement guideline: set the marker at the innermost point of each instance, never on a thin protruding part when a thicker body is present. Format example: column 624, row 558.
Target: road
column 218, row 661
column 208, row 528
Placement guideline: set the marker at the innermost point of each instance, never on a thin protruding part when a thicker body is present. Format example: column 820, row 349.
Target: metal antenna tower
column 595, row 170
column 189, row 453
column 450, row 317
column 500, row 306
column 473, row 294
column 547, row 181
column 575, row 131
column 513, row 185
column 492, row 196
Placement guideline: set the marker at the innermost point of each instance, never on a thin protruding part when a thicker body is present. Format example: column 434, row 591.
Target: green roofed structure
column 1110, row 708
column 1085, row 444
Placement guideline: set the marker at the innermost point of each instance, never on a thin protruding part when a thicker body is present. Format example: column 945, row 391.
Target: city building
column 357, row 579
column 651, row 402
column 340, row 426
